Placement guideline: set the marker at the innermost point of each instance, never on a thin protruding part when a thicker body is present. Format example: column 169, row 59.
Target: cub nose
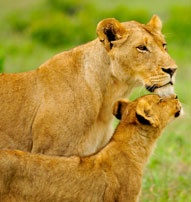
column 169, row 71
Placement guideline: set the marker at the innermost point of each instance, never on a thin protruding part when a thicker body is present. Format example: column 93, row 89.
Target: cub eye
column 164, row 46
column 142, row 48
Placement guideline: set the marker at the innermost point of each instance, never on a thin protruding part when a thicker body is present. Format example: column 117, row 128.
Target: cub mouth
column 155, row 86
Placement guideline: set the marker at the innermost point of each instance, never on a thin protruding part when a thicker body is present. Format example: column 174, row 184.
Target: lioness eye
column 142, row 48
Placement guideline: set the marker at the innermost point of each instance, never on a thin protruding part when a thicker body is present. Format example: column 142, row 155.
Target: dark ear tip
column 118, row 116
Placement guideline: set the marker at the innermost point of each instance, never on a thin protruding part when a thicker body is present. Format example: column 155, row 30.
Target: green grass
column 32, row 31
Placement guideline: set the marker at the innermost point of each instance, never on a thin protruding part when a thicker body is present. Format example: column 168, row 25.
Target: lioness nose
column 169, row 71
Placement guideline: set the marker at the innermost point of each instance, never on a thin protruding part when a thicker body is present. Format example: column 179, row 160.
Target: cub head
column 148, row 112
column 139, row 54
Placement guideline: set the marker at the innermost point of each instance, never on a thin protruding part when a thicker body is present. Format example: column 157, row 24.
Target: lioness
column 112, row 174
column 64, row 107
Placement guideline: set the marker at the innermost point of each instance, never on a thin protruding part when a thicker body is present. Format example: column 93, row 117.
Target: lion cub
column 112, row 174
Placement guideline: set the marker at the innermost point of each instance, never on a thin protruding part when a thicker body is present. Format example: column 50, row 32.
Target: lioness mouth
column 153, row 87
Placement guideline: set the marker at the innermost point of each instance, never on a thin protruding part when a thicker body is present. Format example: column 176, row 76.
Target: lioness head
column 138, row 52
column 150, row 111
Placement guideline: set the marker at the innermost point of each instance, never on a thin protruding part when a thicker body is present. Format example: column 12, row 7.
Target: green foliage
column 179, row 25
column 122, row 13
column 18, row 21
column 54, row 30
column 69, row 7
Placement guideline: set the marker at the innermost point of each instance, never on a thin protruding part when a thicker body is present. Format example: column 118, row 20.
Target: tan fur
column 64, row 107
column 113, row 174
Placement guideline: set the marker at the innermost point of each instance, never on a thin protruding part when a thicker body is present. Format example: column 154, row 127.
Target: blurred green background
column 32, row 31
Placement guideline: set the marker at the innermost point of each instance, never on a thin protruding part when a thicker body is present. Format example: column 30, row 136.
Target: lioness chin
column 112, row 174
column 64, row 107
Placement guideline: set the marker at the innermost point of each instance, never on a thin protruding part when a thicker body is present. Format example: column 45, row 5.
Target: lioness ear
column 109, row 30
column 155, row 23
column 119, row 108
column 145, row 115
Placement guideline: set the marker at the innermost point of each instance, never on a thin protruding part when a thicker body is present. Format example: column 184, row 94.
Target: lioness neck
column 106, row 89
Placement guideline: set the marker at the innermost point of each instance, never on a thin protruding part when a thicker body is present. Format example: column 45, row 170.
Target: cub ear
column 119, row 108
column 145, row 114
column 109, row 30
column 155, row 23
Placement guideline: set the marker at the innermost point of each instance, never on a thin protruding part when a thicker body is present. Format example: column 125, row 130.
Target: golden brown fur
column 113, row 174
column 64, row 107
